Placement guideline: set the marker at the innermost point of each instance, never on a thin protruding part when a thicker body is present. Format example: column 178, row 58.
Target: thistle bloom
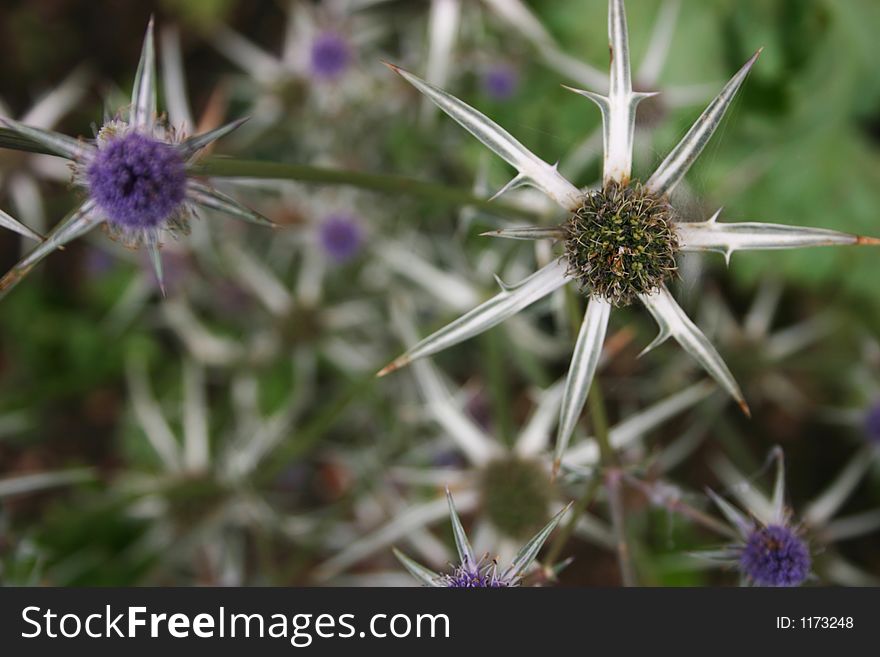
column 473, row 572
column 773, row 551
column 620, row 241
column 341, row 236
column 136, row 176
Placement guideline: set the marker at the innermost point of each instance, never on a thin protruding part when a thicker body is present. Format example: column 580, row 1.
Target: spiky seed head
column 775, row 556
column 516, row 495
column 137, row 181
column 621, row 243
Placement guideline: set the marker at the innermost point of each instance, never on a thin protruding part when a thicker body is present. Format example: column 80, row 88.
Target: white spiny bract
column 135, row 174
column 618, row 108
column 20, row 176
column 474, row 572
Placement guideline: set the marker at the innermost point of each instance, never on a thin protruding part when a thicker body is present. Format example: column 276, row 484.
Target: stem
column 599, row 419
column 565, row 533
column 219, row 167
column 618, row 525
column 224, row 167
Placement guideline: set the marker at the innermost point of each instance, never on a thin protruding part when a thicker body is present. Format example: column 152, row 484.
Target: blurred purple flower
column 501, row 82
column 330, row 56
column 872, row 423
column 341, row 236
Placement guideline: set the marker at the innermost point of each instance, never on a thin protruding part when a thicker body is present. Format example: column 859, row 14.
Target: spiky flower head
column 614, row 265
column 136, row 175
column 137, row 181
column 473, row 572
column 774, row 555
column 621, row 243
column 330, row 56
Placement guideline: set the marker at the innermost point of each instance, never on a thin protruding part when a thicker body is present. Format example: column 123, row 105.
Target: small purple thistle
column 138, row 182
column 330, row 56
column 872, row 424
column 467, row 575
column 500, row 82
column 341, row 236
column 775, row 556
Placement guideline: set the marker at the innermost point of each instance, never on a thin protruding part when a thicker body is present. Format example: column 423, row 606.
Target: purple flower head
column 500, row 82
column 330, row 56
column 872, row 424
column 468, row 575
column 138, row 182
column 341, row 236
column 775, row 556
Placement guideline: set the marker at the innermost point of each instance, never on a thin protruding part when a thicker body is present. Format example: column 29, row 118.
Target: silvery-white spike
column 725, row 238
column 152, row 243
column 424, row 575
column 58, row 144
column 529, row 551
column 528, row 233
column 673, row 322
column 488, row 314
column 516, row 182
column 209, row 197
column 143, row 92
column 11, row 223
column 462, row 544
column 619, row 106
column 778, row 500
column 734, row 517
column 584, row 361
column 77, row 223
column 534, row 169
column 676, row 165
column 194, row 144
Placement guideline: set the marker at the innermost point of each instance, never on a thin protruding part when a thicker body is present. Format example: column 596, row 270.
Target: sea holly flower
column 482, row 572
column 135, row 174
column 508, row 485
column 620, row 241
column 772, row 550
